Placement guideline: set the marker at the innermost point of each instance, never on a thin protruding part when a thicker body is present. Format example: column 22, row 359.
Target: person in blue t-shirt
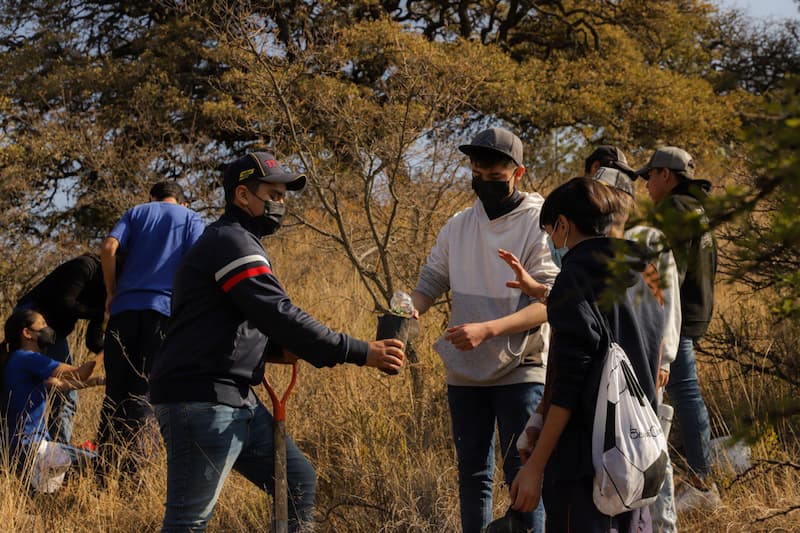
column 27, row 377
column 153, row 238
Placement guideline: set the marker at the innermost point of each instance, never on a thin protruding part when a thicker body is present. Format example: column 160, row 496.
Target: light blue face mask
column 557, row 253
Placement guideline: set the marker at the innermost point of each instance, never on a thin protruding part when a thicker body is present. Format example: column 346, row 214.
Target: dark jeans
column 571, row 509
column 205, row 441
column 127, row 432
column 474, row 412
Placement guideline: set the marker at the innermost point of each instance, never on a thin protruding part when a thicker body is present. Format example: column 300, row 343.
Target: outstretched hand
column 524, row 281
column 386, row 355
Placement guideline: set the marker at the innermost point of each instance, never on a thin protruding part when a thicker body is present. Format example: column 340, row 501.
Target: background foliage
column 371, row 98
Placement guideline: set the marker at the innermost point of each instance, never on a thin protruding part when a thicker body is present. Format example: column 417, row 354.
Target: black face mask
column 496, row 197
column 270, row 221
column 46, row 338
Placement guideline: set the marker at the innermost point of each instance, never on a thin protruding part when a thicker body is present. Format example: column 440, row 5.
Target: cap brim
column 473, row 149
column 298, row 183
column 619, row 165
column 470, row 149
column 294, row 182
column 642, row 172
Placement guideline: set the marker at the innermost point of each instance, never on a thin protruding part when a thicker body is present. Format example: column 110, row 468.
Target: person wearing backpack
column 588, row 298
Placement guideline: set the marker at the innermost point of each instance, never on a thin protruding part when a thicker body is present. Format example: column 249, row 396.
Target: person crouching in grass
column 27, row 376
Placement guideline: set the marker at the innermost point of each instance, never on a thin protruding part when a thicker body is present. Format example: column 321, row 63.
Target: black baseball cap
column 261, row 166
column 498, row 140
column 610, row 157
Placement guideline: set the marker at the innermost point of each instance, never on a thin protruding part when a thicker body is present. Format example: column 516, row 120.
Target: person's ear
column 519, row 172
column 240, row 193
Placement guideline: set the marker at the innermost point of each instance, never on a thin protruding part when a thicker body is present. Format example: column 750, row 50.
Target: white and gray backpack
column 629, row 450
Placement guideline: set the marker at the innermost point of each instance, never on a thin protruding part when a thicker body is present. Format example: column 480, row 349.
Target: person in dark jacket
column 588, row 294
column 680, row 214
column 73, row 291
column 229, row 314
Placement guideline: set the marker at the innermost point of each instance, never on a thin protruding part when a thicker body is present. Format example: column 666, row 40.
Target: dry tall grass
column 384, row 458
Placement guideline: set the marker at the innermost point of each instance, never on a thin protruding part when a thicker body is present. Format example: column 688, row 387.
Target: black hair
column 251, row 184
column 166, row 189
column 19, row 320
column 490, row 158
column 585, row 202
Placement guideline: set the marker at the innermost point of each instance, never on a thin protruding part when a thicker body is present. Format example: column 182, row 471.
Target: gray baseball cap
column 496, row 140
column 614, row 178
column 672, row 158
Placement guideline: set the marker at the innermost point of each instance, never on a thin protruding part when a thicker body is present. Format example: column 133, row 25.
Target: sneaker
column 690, row 498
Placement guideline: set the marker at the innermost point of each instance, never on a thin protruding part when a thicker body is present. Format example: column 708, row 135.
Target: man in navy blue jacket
column 229, row 314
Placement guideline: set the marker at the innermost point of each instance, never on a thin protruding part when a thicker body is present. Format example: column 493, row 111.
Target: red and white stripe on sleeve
column 241, row 269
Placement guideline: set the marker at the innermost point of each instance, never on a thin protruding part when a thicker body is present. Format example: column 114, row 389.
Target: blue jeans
column 205, row 441
column 63, row 404
column 27, row 457
column 474, row 412
column 663, row 510
column 690, row 409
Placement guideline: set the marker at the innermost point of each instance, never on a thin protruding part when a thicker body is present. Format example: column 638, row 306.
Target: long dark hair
column 19, row 320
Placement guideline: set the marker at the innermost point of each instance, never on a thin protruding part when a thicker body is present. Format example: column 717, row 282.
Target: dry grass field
column 384, row 457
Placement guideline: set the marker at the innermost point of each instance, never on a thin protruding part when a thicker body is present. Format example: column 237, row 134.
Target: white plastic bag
column 50, row 464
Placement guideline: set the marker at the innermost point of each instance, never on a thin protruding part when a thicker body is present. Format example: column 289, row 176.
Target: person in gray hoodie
column 495, row 349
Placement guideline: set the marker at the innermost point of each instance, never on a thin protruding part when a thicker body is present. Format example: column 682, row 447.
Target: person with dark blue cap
column 230, row 316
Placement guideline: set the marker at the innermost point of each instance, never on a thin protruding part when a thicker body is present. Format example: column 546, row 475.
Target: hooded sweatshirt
column 683, row 219
column 592, row 293
column 464, row 261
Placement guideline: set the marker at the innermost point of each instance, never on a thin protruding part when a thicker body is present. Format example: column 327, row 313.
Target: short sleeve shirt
column 26, row 395
column 153, row 238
